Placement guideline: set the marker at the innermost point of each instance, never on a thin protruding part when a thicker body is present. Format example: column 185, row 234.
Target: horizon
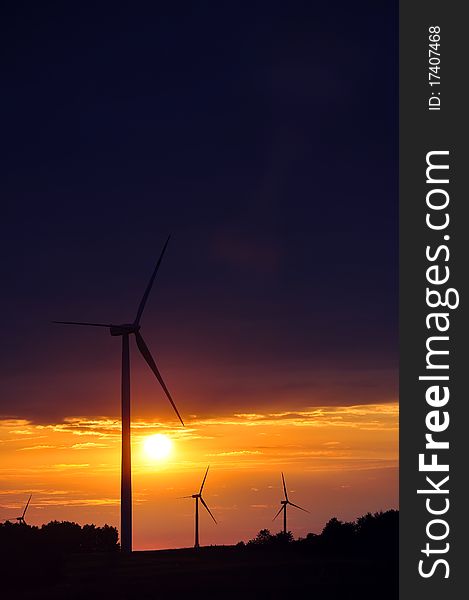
column 191, row 546
column 349, row 472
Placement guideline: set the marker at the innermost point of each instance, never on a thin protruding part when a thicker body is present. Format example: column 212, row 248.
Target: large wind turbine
column 20, row 519
column 125, row 331
column 198, row 497
column 284, row 504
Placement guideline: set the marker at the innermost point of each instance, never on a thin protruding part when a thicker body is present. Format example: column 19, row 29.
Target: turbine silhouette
column 284, row 504
column 125, row 331
column 198, row 497
column 20, row 519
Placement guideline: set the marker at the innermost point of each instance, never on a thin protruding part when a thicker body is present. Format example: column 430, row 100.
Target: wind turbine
column 284, row 504
column 198, row 497
column 125, row 331
column 20, row 519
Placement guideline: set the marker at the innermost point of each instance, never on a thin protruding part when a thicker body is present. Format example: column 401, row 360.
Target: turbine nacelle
column 125, row 329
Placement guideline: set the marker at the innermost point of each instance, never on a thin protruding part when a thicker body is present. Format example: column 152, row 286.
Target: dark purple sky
column 263, row 139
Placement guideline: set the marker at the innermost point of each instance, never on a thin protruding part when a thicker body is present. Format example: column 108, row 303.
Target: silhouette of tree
column 99, row 539
column 338, row 530
column 89, row 538
column 107, row 538
column 379, row 531
column 263, row 537
column 283, row 538
column 370, row 533
column 59, row 536
column 65, row 535
column 312, row 540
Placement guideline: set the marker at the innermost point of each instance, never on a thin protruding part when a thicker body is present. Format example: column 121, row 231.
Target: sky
column 264, row 140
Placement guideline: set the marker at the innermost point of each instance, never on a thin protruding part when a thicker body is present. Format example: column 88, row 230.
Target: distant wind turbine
column 284, row 504
column 20, row 519
column 124, row 331
column 198, row 497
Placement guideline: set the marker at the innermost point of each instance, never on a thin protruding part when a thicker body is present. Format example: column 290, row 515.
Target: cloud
column 88, row 445
column 103, row 427
column 355, row 464
column 108, row 429
column 317, row 438
column 66, row 466
column 235, row 453
column 368, row 417
column 34, row 491
column 80, row 502
column 39, row 447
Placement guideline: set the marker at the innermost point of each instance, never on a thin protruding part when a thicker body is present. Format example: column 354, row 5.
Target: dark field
column 213, row 572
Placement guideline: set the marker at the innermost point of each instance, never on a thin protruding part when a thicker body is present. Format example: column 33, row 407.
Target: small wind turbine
column 198, row 497
column 284, row 504
column 124, row 331
column 20, row 519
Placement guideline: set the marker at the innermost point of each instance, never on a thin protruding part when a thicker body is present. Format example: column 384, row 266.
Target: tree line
column 371, row 533
column 66, row 536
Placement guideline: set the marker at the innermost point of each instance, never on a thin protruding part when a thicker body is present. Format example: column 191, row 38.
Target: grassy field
column 214, row 572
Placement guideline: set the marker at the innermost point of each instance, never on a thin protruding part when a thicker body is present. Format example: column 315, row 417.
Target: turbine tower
column 125, row 331
column 198, row 497
column 284, row 504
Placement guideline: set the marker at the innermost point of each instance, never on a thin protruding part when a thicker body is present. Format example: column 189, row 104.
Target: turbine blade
column 277, row 514
column 203, row 482
column 208, row 510
column 27, row 504
column 80, row 323
column 182, row 497
column 151, row 363
column 296, row 506
column 149, row 286
column 284, row 487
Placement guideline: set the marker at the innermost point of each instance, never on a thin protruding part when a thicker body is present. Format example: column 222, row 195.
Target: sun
column 158, row 446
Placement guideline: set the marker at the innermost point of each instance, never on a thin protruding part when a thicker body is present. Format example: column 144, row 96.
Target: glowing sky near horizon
column 338, row 461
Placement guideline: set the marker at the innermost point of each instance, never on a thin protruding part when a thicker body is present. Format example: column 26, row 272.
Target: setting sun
column 157, row 447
